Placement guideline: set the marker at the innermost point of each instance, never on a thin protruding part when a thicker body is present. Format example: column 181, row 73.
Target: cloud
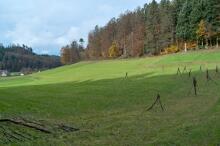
column 105, row 8
column 67, row 37
column 23, row 32
column 46, row 40
column 47, row 25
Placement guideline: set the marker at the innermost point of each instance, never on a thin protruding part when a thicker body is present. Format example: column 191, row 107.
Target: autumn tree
column 138, row 32
column 74, row 52
column 124, row 33
column 65, row 55
column 114, row 50
column 70, row 53
column 201, row 32
column 94, row 45
column 108, row 34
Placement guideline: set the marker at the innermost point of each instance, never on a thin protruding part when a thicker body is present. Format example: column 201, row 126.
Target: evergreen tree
column 176, row 8
column 81, row 41
column 153, row 27
column 212, row 13
column 196, row 16
column 166, row 24
column 183, row 23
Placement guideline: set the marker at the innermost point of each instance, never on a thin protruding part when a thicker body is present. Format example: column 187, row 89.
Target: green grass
column 111, row 110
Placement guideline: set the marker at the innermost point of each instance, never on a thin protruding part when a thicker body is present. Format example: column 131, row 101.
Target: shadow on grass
column 102, row 95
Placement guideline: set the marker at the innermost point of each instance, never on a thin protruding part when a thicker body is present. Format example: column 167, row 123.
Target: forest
column 17, row 58
column 156, row 28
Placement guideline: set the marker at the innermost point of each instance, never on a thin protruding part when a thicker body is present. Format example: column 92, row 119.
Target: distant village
column 6, row 73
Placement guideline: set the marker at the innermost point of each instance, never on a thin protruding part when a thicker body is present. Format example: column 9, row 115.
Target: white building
column 4, row 73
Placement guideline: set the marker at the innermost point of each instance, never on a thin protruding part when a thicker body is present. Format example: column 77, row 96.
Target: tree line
column 156, row 28
column 73, row 53
column 17, row 58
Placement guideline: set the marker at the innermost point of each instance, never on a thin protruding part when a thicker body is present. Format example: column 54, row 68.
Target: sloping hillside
column 111, row 109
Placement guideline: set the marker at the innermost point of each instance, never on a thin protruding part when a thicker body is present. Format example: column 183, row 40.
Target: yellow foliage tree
column 201, row 31
column 114, row 50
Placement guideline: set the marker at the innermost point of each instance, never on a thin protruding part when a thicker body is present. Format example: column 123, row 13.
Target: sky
column 47, row 25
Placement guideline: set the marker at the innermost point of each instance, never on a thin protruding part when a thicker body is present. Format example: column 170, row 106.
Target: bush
column 170, row 50
column 191, row 45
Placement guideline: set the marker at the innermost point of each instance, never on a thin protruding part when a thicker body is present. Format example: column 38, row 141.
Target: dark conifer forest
column 16, row 58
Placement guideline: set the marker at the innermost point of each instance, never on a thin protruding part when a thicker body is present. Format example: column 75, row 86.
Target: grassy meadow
column 110, row 109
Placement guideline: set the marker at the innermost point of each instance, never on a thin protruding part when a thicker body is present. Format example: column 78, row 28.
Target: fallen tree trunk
column 67, row 128
column 29, row 125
